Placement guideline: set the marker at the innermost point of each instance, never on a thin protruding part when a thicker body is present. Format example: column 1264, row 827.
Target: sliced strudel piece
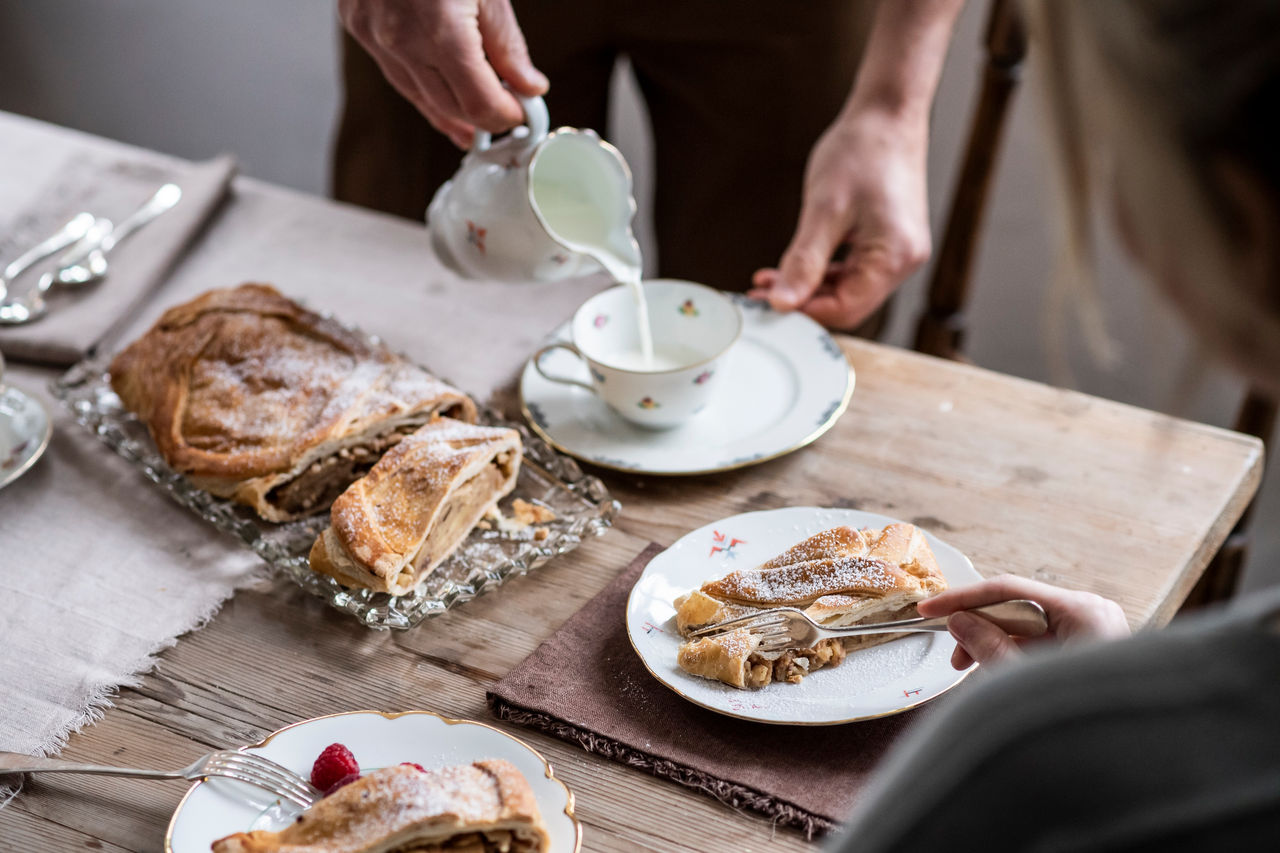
column 839, row 577
column 255, row 398
column 393, row 526
column 485, row 807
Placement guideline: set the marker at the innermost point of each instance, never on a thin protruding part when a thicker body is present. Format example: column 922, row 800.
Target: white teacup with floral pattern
column 694, row 329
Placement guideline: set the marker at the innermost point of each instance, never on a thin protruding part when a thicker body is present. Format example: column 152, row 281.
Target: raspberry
column 345, row 780
column 333, row 766
column 421, row 769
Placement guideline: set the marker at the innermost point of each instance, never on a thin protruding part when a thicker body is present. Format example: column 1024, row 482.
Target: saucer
column 787, row 383
column 25, row 428
column 872, row 682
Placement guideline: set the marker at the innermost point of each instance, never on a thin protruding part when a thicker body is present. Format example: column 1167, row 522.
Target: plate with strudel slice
column 413, row 782
column 841, row 567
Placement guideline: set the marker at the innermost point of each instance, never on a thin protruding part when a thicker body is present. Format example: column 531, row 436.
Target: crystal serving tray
column 488, row 558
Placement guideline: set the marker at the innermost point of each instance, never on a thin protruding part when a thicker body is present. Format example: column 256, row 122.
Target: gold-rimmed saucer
column 25, row 430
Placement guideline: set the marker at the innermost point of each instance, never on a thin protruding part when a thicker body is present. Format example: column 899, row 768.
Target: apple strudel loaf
column 253, row 397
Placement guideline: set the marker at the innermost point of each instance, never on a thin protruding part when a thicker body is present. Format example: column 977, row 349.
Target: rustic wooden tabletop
column 1023, row 478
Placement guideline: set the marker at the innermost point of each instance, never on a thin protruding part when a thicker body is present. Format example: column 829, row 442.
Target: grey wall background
column 260, row 79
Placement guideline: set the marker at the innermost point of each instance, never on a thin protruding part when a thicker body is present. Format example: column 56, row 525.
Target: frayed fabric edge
column 99, row 699
column 730, row 793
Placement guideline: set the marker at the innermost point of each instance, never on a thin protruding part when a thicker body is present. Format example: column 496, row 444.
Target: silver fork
column 787, row 627
column 240, row 766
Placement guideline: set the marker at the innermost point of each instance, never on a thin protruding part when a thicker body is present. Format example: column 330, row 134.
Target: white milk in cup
column 694, row 329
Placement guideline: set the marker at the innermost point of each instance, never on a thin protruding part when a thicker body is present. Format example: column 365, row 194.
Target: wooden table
column 1024, row 478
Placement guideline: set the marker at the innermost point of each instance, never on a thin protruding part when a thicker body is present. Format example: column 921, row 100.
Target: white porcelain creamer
column 537, row 205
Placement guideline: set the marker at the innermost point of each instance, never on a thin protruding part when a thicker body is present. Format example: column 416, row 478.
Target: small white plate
column 871, row 682
column 25, row 428
column 216, row 808
column 787, row 383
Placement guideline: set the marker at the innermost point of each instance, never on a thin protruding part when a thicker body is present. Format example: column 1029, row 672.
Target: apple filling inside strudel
column 394, row 526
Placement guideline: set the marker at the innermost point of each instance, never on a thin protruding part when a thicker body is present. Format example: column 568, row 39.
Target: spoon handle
column 165, row 198
column 65, row 236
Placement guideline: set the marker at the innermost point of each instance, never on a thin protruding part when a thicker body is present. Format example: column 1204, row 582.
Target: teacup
column 694, row 329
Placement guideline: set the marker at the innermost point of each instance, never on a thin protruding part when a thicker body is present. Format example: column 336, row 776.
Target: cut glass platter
column 582, row 505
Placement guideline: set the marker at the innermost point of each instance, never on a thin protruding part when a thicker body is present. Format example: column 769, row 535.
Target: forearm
column 904, row 56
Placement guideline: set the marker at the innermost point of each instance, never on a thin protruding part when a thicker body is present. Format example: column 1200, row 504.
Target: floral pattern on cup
column 596, row 375
column 475, row 235
column 649, row 403
column 688, row 309
column 703, row 377
column 600, row 321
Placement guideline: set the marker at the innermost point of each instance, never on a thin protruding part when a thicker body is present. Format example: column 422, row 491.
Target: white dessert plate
column 872, row 682
column 787, row 383
column 216, row 808
column 25, row 428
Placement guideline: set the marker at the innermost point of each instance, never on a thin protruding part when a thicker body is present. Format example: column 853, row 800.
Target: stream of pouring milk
column 588, row 228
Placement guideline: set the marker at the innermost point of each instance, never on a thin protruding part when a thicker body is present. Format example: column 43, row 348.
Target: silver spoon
column 87, row 261
column 65, row 236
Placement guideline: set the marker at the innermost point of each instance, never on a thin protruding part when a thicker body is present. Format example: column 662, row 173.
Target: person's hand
column 449, row 58
column 1073, row 616
column 864, row 192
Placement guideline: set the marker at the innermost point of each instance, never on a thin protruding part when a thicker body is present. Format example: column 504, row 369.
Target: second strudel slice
column 391, row 528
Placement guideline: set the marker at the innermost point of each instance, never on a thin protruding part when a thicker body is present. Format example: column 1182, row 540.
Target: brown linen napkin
column 110, row 186
column 586, row 685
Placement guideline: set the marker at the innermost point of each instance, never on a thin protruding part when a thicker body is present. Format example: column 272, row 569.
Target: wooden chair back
column 940, row 330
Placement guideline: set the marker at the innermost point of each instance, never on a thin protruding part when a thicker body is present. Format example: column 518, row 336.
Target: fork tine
column 269, row 784
column 281, row 780
column 752, row 621
column 267, row 763
column 285, row 780
column 250, row 778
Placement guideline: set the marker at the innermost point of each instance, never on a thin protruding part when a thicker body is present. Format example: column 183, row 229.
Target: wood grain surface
column 1024, row 478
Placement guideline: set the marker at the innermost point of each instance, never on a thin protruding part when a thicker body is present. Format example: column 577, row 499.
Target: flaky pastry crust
column 480, row 807
column 393, row 526
column 245, row 392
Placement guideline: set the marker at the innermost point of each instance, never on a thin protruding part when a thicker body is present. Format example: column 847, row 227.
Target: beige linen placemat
column 111, row 186
column 586, row 685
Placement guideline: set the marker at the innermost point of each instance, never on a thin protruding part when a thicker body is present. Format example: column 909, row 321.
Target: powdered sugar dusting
column 842, row 541
column 395, row 800
column 259, row 382
column 801, row 583
column 255, row 385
